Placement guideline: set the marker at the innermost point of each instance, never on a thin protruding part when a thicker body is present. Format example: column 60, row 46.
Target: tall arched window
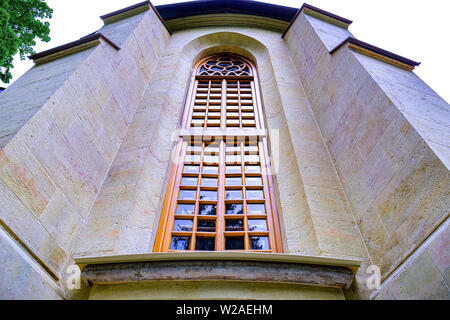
column 220, row 195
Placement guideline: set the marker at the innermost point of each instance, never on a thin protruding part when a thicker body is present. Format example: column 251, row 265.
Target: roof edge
column 79, row 44
column 132, row 8
column 131, row 11
column 376, row 52
column 320, row 14
column 182, row 10
column 227, row 19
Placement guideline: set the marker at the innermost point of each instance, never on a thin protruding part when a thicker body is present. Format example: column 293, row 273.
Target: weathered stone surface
column 327, row 276
column 20, row 276
column 425, row 274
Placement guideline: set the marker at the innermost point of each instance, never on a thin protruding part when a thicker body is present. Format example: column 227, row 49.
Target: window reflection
column 255, row 194
column 234, row 225
column 187, row 194
column 207, row 210
column 257, row 225
column 185, row 208
column 206, row 226
column 234, row 208
column 180, row 243
column 208, row 195
column 256, row 208
column 205, row 244
column 182, row 225
column 234, row 243
column 233, row 194
column 259, row 243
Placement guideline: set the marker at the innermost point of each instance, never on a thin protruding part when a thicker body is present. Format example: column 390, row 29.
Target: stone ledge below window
column 219, row 266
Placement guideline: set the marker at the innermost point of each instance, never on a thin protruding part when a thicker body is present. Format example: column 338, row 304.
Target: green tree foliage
column 20, row 23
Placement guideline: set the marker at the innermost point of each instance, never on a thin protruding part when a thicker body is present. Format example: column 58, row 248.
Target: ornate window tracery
column 220, row 194
column 225, row 65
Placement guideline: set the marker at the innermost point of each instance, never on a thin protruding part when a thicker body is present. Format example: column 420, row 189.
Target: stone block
column 62, row 220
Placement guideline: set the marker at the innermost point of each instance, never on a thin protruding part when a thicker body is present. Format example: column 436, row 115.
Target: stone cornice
column 219, row 270
column 377, row 53
column 231, row 19
column 241, row 266
column 351, row 42
column 71, row 47
column 221, row 255
column 131, row 11
column 320, row 14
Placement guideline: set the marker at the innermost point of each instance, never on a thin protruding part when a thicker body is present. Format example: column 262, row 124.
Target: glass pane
column 232, row 115
column 187, row 194
column 192, row 158
column 233, row 159
column 233, row 181
column 253, row 181
column 257, row 225
column 180, row 243
column 233, row 194
column 213, row 149
column 185, row 208
column 234, row 243
column 210, row 170
column 210, row 159
column 251, row 149
column 252, row 158
column 208, row 195
column 209, row 182
column 207, row 210
column 198, row 115
column 188, row 181
column 256, row 208
column 234, row 208
column 233, row 169
column 255, row 194
column 182, row 225
column 233, row 150
column 234, row 225
column 205, row 244
column 190, row 169
column 252, row 169
column 206, row 226
column 194, row 149
column 197, row 123
column 213, row 115
column 259, row 243
column 214, row 105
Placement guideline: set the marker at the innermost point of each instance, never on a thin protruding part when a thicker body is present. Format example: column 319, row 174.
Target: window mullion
column 220, row 199
column 223, row 105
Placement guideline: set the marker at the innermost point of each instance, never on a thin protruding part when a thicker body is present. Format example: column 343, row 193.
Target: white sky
column 416, row 29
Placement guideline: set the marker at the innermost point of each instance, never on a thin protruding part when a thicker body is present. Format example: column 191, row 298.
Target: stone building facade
column 359, row 149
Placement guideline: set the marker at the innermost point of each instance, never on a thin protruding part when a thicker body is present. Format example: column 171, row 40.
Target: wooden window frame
column 221, row 135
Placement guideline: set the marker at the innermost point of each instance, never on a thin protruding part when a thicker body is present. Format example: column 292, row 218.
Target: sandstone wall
column 64, row 123
column 30, row 282
column 387, row 133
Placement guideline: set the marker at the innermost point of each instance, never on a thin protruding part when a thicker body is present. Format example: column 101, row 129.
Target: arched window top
column 224, row 65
